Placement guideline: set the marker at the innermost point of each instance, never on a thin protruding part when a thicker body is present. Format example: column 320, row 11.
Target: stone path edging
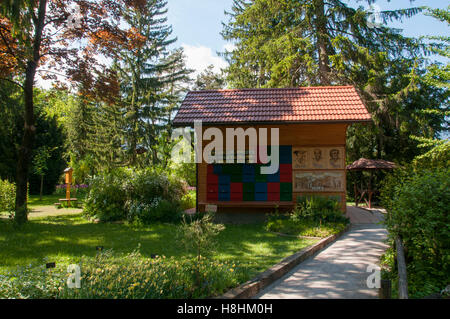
column 252, row 287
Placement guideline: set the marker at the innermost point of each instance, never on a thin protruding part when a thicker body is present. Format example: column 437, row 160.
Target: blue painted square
column 260, row 187
column 224, row 179
column 273, row 178
column 224, row 196
column 260, row 196
column 285, row 150
column 217, row 169
column 286, row 159
column 248, row 169
column 224, row 189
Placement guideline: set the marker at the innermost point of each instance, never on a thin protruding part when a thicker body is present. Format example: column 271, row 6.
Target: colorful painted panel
column 244, row 182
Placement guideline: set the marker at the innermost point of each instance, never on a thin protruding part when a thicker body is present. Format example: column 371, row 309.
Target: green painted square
column 248, row 196
column 286, row 188
column 286, row 197
column 227, row 169
column 261, row 178
column 248, row 187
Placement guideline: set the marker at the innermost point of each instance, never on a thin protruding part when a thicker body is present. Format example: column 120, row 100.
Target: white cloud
column 229, row 47
column 200, row 57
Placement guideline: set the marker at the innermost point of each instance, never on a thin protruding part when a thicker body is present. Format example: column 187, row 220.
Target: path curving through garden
column 341, row 269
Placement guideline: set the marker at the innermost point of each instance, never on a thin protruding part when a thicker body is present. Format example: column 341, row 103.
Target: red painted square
column 273, row 187
column 212, row 179
column 237, row 197
column 285, row 169
column 286, row 178
column 212, row 188
column 212, row 196
column 273, row 197
column 210, row 169
column 236, row 187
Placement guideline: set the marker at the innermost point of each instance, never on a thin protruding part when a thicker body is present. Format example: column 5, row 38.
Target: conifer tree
column 148, row 72
column 292, row 43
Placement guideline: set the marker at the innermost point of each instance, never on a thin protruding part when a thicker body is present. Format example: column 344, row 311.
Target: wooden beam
column 401, row 266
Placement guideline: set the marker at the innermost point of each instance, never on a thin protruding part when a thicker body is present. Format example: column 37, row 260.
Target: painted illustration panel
column 318, row 158
column 332, row 181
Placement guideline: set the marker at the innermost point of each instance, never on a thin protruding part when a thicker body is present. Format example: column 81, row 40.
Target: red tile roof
column 306, row 104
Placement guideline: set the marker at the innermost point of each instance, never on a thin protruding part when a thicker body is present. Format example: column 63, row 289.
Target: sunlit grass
column 67, row 238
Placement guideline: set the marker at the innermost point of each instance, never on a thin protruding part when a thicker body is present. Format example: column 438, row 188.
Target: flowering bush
column 143, row 196
column 130, row 276
column 31, row 282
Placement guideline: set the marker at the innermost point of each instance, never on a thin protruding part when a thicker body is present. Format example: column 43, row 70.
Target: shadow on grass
column 67, row 238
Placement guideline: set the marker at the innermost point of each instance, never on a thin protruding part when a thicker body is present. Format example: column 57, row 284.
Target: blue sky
column 197, row 25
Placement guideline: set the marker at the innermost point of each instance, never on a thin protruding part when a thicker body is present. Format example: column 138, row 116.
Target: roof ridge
column 266, row 89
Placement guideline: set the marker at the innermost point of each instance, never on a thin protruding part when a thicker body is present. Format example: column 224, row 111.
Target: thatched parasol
column 370, row 164
column 364, row 164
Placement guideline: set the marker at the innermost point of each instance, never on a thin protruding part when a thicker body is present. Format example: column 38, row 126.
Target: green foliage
column 153, row 82
column 143, row 196
column 438, row 156
column 31, row 282
column 307, row 43
column 319, row 209
column 308, row 228
column 315, row 216
column 199, row 235
column 49, row 136
column 7, row 196
column 417, row 204
column 209, row 80
column 106, row 198
column 125, row 277
column 189, row 200
column 186, row 171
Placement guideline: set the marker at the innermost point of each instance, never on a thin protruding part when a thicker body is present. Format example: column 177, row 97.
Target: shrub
column 142, row 196
column 417, row 205
column 318, row 208
column 304, row 228
column 7, row 196
column 106, row 198
column 198, row 236
column 158, row 210
column 32, row 282
column 188, row 200
column 186, row 171
column 314, row 216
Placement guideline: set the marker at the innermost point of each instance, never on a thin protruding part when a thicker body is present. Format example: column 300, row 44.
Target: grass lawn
column 66, row 238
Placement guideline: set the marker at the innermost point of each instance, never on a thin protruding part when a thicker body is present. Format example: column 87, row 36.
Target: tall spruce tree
column 293, row 43
column 148, row 72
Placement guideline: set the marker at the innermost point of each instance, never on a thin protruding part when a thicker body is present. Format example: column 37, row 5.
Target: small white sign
column 211, row 208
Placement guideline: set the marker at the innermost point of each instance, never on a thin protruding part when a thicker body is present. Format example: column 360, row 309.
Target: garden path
column 339, row 270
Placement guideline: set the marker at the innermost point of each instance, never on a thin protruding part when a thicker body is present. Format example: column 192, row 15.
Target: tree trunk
column 321, row 31
column 24, row 154
column 42, row 187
